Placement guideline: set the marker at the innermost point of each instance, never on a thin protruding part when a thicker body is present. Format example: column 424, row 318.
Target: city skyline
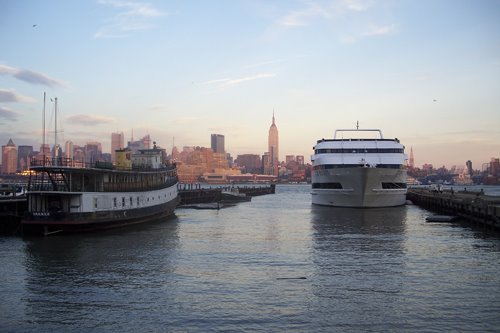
column 427, row 73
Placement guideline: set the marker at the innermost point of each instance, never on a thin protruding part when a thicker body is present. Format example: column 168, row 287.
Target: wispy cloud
column 30, row 76
column 264, row 63
column 302, row 17
column 7, row 114
column 341, row 12
column 380, row 30
column 90, row 120
column 312, row 10
column 133, row 16
column 358, row 5
column 10, row 96
column 225, row 83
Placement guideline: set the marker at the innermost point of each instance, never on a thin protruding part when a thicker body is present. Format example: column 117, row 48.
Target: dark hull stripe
column 96, row 221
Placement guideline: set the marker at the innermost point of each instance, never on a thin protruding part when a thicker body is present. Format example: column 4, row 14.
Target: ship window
column 393, row 185
column 123, row 201
column 131, row 201
column 137, row 201
column 114, row 202
column 335, row 186
column 95, row 202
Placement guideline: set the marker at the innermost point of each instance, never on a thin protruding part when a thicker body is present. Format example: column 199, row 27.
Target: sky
column 424, row 71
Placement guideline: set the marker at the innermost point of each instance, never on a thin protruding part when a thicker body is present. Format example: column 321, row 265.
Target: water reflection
column 374, row 221
column 358, row 257
column 87, row 277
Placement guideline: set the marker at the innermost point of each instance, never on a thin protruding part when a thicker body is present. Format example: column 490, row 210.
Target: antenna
column 357, row 125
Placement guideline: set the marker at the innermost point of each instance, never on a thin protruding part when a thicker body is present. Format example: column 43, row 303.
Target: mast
column 56, row 151
column 43, row 134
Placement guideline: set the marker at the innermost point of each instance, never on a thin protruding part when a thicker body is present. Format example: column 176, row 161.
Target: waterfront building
column 57, row 152
column 217, row 143
column 9, row 157
column 24, row 154
column 411, row 162
column 289, row 159
column 117, row 143
column 78, row 155
column 300, row 159
column 273, row 149
column 68, row 149
column 470, row 171
column 250, row 163
column 93, row 151
column 45, row 149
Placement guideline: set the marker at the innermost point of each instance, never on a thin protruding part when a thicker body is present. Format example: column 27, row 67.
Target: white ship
column 359, row 172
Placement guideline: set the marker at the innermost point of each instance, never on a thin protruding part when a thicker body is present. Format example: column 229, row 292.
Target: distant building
column 144, row 143
column 470, row 171
column 24, row 154
column 411, row 163
column 273, row 150
column 289, row 159
column 250, row 163
column 93, row 151
column 117, row 143
column 9, row 157
column 68, row 149
column 300, row 159
column 45, row 149
column 217, row 143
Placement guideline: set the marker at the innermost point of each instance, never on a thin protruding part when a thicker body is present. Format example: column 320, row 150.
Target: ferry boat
column 64, row 197
column 359, row 172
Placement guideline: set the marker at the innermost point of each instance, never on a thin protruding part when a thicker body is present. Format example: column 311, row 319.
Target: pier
column 11, row 211
column 473, row 206
column 195, row 193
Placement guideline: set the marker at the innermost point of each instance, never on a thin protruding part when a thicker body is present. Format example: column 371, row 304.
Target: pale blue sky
column 427, row 72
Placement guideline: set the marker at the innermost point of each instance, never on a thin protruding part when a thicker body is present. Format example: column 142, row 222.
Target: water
column 273, row 264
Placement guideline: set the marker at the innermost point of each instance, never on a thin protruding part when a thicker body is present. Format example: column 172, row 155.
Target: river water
column 275, row 264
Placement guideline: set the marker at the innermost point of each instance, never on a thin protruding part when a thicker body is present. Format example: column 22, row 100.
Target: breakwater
column 473, row 206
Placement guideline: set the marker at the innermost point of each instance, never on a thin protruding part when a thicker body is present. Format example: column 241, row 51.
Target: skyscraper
column 24, row 154
column 117, row 142
column 68, row 149
column 9, row 158
column 217, row 143
column 273, row 145
column 412, row 161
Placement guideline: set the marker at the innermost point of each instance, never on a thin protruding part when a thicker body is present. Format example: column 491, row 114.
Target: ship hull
column 361, row 187
column 58, row 222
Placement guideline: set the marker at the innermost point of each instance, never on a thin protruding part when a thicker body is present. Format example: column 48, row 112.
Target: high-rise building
column 24, row 154
column 289, row 159
column 250, row 163
column 9, row 158
column 273, row 145
column 93, row 152
column 117, row 143
column 144, row 143
column 470, row 172
column 217, row 143
column 300, row 159
column 68, row 149
column 411, row 163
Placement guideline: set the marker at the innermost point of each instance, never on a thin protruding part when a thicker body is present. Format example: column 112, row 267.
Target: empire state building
column 273, row 145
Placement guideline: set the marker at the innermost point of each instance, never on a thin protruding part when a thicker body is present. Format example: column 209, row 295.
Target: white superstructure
column 359, row 172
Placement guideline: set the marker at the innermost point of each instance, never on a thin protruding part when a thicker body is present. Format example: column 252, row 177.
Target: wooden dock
column 473, row 206
column 195, row 194
column 11, row 211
